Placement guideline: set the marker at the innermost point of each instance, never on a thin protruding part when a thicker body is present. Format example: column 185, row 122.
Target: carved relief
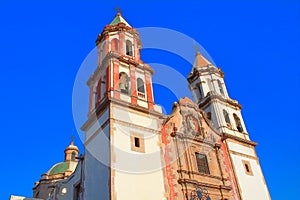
column 191, row 134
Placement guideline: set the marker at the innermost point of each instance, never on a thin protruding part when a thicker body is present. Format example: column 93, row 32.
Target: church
column 201, row 151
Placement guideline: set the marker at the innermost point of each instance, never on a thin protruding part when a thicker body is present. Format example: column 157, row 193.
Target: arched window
column 95, row 94
column 199, row 90
column 115, row 45
column 220, row 87
column 238, row 123
column 129, row 51
column 73, row 156
column 98, row 92
column 208, row 115
column 140, row 87
column 124, row 82
column 103, row 85
column 210, row 86
column 226, row 117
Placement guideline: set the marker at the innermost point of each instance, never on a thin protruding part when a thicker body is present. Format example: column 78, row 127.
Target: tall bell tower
column 207, row 85
column 122, row 133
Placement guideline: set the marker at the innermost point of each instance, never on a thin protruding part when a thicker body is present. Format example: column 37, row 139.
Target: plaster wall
column 137, row 118
column 96, row 167
column 241, row 149
column 103, row 118
column 137, row 174
column 251, row 186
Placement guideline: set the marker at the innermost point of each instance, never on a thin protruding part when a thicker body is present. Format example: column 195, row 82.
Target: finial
column 72, row 139
column 196, row 48
column 118, row 10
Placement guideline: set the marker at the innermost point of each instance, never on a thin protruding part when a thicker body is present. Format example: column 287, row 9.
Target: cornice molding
column 120, row 27
column 94, row 116
column 212, row 96
column 229, row 136
column 198, row 71
column 183, row 181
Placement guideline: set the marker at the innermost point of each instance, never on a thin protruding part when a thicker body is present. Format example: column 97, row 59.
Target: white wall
column 97, row 172
column 95, row 127
column 251, row 186
column 137, row 175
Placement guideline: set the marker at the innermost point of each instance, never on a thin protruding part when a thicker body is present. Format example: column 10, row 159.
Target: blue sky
column 43, row 43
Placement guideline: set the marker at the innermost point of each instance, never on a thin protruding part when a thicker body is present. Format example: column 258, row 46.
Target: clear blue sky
column 43, row 43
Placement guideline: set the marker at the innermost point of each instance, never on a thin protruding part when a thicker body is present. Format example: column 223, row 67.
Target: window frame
column 226, row 117
column 247, row 167
column 221, row 89
column 202, row 163
column 114, row 45
column 238, row 123
column 141, row 142
column 73, row 156
column 129, row 50
column 141, row 93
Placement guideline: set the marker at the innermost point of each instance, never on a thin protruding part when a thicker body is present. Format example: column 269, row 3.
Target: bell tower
column 122, row 132
column 120, row 73
column 209, row 91
column 207, row 85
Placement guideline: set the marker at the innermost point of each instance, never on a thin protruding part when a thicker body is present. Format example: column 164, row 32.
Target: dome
column 62, row 167
column 68, row 166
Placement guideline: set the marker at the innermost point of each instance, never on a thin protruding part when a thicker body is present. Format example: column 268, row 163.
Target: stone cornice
column 198, row 71
column 137, row 107
column 198, row 173
column 124, row 123
column 199, row 140
column 183, row 180
column 104, row 104
column 120, row 27
column 211, row 96
column 100, row 108
column 129, row 60
column 121, row 58
column 229, row 136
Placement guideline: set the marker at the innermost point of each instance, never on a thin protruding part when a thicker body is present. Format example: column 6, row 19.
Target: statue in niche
column 123, row 82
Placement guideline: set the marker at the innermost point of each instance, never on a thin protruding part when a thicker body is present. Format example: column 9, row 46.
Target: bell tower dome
column 71, row 152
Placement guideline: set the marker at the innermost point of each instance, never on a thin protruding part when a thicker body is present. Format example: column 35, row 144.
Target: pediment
column 191, row 122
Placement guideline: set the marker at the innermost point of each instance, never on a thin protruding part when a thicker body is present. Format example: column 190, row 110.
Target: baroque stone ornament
column 193, row 125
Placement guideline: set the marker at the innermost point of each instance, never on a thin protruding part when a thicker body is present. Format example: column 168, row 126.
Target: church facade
column 202, row 150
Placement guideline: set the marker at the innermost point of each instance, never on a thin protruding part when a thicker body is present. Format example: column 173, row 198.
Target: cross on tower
column 196, row 47
column 72, row 138
column 118, row 10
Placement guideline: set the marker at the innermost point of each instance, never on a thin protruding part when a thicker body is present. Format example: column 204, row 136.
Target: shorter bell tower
column 207, row 85
column 209, row 91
